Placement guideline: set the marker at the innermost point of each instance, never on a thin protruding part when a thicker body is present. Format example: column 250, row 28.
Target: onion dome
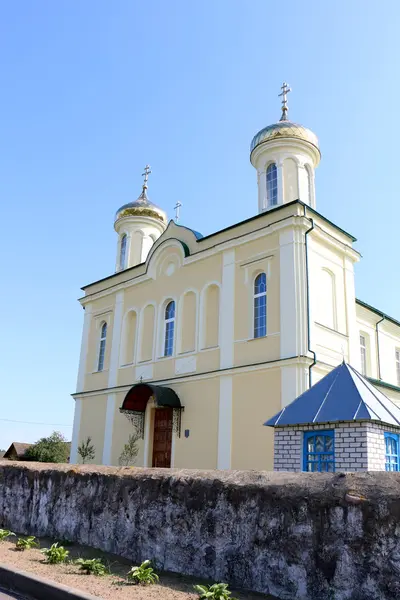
column 284, row 129
column 142, row 207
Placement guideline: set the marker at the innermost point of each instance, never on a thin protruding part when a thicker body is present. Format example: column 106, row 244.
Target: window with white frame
column 122, row 252
column 169, row 328
column 260, row 305
column 272, row 185
column 398, row 366
column 102, row 347
column 363, row 352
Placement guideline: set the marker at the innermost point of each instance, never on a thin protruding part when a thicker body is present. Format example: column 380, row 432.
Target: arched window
column 260, row 305
column 122, row 252
column 102, row 347
column 272, row 185
column 169, row 328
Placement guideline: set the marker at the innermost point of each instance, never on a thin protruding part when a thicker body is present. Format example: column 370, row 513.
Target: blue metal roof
column 342, row 395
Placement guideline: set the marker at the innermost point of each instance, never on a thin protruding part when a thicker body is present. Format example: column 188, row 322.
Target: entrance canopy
column 135, row 403
column 138, row 396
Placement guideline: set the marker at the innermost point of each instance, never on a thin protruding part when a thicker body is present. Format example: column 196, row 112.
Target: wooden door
column 162, row 441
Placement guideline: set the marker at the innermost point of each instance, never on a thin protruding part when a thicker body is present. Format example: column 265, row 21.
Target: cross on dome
column 285, row 90
column 176, row 209
column 147, row 171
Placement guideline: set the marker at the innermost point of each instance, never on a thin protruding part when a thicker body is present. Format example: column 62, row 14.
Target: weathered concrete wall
column 293, row 535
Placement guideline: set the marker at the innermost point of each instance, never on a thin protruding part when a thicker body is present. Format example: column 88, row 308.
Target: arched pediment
column 170, row 250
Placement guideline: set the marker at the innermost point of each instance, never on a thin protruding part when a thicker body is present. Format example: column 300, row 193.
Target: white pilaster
column 279, row 168
column 75, row 431
column 227, row 310
column 225, row 423
column 107, row 446
column 351, row 317
column 116, row 339
column 293, row 294
column 84, row 348
column 112, row 376
column 262, row 190
column 226, row 337
column 294, row 381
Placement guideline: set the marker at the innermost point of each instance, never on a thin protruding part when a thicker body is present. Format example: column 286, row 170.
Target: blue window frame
column 391, row 451
column 260, row 305
column 319, row 451
column 169, row 328
column 272, row 185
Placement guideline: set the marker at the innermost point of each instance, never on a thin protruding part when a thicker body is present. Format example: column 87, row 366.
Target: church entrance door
column 162, row 441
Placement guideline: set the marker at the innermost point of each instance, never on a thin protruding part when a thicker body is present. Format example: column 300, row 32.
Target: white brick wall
column 358, row 446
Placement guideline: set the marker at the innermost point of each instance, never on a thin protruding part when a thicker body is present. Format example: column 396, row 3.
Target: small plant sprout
column 217, row 591
column 143, row 575
column 4, row 534
column 55, row 554
column 92, row 566
column 27, row 543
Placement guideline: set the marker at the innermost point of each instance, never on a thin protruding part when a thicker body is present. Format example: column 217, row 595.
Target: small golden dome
column 142, row 207
column 284, row 129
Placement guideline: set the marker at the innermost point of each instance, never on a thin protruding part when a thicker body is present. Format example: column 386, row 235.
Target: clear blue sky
column 92, row 91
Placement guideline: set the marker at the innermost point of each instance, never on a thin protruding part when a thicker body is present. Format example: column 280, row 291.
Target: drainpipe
column 314, row 362
column 377, row 348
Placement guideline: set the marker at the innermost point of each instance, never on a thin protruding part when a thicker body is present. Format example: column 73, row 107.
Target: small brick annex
column 342, row 423
column 357, row 446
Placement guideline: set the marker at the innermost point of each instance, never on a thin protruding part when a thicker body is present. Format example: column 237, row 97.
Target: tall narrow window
column 391, row 452
column 398, row 367
column 319, row 451
column 260, row 305
column 363, row 351
column 272, row 185
column 122, row 252
column 102, row 347
column 169, row 328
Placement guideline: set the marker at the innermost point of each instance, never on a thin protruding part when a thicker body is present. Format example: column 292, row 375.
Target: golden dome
column 284, row 129
column 142, row 207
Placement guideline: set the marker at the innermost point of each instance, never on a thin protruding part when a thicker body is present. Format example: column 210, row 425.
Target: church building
column 196, row 340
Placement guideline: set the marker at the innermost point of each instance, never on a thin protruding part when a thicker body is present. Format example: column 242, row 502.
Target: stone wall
column 358, row 446
column 297, row 536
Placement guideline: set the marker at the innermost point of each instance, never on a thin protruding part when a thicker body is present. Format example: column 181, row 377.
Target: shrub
column 55, row 554
column 86, row 450
column 217, row 591
column 143, row 575
column 53, row 449
column 5, row 533
column 92, row 566
column 27, row 543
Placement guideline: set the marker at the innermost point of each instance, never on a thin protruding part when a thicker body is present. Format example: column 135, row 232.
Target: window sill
column 127, row 365
column 97, row 372
column 209, row 348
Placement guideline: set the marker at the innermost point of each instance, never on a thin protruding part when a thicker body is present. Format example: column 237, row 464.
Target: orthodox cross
column 285, row 90
column 146, row 174
column 176, row 209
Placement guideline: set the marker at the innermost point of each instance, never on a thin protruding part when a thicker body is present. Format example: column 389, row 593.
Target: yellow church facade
column 195, row 341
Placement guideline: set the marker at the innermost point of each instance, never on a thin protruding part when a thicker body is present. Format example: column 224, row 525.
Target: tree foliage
column 86, row 450
column 130, row 450
column 54, row 449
